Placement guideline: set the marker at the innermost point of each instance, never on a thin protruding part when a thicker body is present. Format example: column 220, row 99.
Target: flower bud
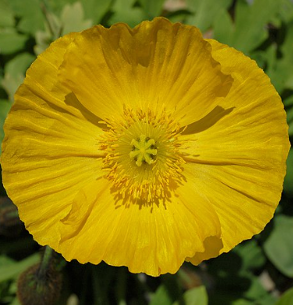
column 38, row 286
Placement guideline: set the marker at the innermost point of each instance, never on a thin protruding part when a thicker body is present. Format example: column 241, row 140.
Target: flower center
column 142, row 156
column 143, row 150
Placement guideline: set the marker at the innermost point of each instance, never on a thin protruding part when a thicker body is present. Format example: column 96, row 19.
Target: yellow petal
column 152, row 66
column 237, row 153
column 67, row 173
column 213, row 247
column 50, row 148
column 154, row 238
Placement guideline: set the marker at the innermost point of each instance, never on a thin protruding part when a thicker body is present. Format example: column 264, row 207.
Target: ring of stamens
column 142, row 157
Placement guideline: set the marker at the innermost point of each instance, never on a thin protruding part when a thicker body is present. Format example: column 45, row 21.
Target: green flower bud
column 40, row 284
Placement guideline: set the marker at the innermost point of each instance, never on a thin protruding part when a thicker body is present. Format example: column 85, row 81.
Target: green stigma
column 143, row 150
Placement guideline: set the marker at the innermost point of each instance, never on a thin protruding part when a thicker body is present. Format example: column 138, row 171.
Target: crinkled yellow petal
column 154, row 238
column 50, row 149
column 213, row 247
column 63, row 170
column 237, row 154
column 155, row 65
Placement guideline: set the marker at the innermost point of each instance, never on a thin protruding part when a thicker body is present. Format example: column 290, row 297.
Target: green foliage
column 6, row 15
column 236, row 276
column 14, row 72
column 161, row 296
column 288, row 189
column 287, row 298
column 4, row 109
column 280, row 70
column 256, row 272
column 168, row 294
column 194, row 296
column 279, row 247
column 31, row 17
column 11, row 269
column 250, row 27
column 152, row 8
column 205, row 12
column 251, row 256
column 125, row 11
column 72, row 19
column 95, row 10
column 11, row 41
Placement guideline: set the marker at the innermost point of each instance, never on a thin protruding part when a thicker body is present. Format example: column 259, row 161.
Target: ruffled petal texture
column 154, row 238
column 50, row 149
column 133, row 61
column 144, row 147
column 237, row 154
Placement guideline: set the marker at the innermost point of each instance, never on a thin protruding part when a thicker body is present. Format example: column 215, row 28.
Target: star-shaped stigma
column 143, row 150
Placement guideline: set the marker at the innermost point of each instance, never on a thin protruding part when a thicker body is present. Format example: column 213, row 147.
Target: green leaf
column 288, row 101
column 288, row 189
column 286, row 10
column 264, row 301
column 10, row 83
column 14, row 73
column 4, row 109
column 251, row 255
column 269, row 299
column 124, row 11
column 224, row 28
column 280, row 70
column 205, row 12
column 246, row 290
column 286, row 298
column 6, row 14
column 5, row 261
column 95, row 9
column 161, row 296
column 11, row 41
column 168, row 292
column 256, row 294
column 11, row 271
column 242, row 302
column 43, row 40
column 256, row 291
column 52, row 24
column 290, row 131
column 195, row 296
column 30, row 14
column 53, row 29
column 19, row 64
column 13, row 288
column 178, row 16
column 15, row 302
column 234, row 279
column 290, row 115
column 72, row 19
column 152, row 8
column 279, row 247
column 249, row 30
column 250, row 23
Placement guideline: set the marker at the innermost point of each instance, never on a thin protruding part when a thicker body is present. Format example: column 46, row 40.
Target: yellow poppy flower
column 144, row 147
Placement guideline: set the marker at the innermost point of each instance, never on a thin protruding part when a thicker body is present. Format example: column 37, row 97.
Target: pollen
column 142, row 156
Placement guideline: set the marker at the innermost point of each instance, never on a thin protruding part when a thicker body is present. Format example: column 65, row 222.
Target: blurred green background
column 258, row 271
